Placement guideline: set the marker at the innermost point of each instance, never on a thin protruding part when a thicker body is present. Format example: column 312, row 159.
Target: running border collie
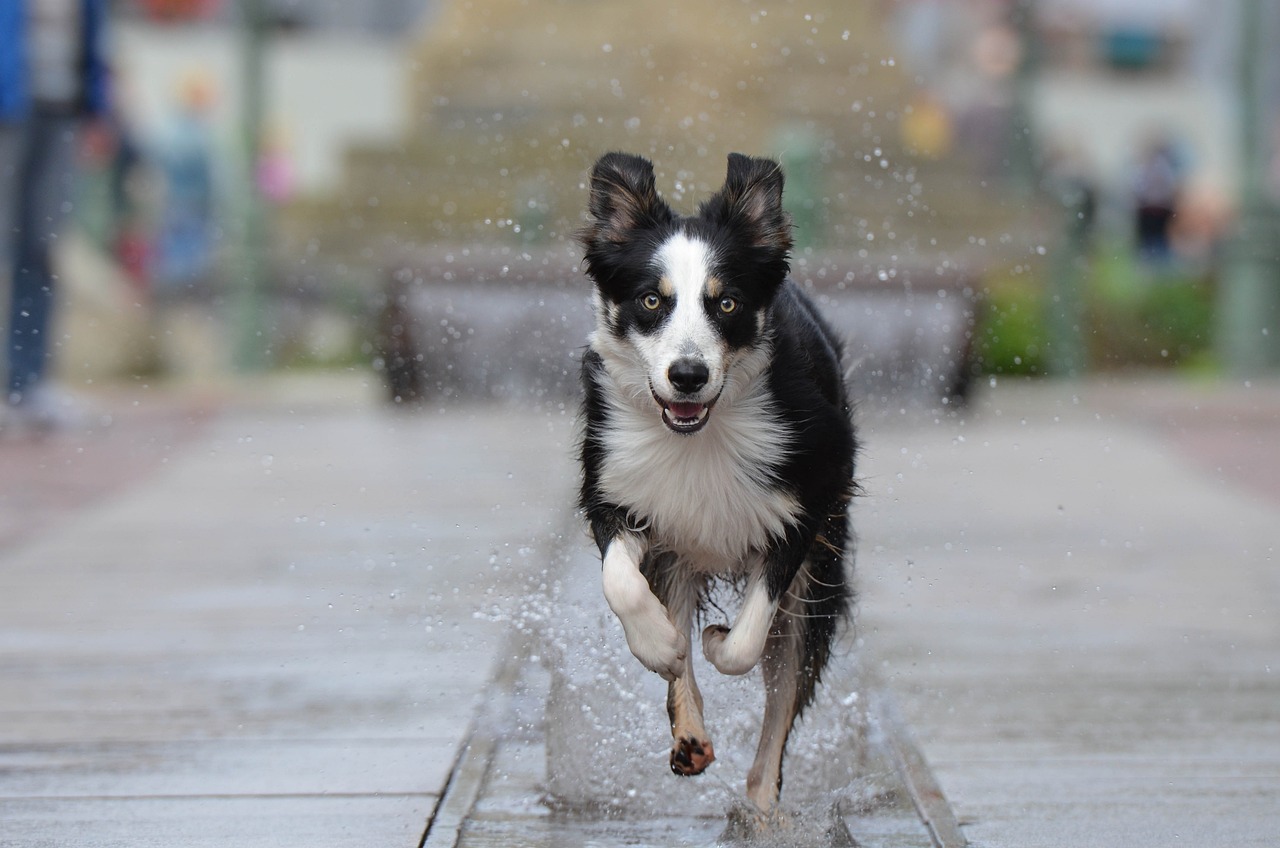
column 717, row 444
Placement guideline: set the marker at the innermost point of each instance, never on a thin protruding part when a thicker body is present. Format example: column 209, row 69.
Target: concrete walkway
column 270, row 638
column 270, row 628
column 1075, row 592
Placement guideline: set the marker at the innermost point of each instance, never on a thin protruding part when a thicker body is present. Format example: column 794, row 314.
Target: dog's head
column 682, row 300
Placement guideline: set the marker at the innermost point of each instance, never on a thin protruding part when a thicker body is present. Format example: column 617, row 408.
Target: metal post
column 1024, row 167
column 1055, row 194
column 1249, row 298
column 251, row 343
column 1065, row 353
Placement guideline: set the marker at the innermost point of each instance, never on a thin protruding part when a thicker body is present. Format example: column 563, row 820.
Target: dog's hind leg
column 781, row 666
column 691, row 749
column 795, row 654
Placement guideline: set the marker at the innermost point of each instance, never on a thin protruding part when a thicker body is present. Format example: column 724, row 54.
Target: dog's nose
column 688, row 375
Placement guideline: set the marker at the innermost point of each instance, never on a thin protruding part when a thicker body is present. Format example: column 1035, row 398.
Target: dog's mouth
column 683, row 416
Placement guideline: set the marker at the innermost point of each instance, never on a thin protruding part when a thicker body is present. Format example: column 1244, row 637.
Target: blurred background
column 980, row 187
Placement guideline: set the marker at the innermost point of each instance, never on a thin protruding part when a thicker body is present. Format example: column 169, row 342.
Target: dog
column 717, row 443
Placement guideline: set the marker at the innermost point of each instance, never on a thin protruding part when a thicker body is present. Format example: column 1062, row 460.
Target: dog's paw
column 713, row 646
column 690, row 756
column 726, row 652
column 713, row 637
column 658, row 645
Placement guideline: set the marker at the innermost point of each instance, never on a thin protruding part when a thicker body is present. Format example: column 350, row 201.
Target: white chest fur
column 711, row 497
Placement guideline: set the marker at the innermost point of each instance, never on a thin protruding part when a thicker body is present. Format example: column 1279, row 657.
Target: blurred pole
column 1066, row 199
column 250, row 338
column 1024, row 167
column 1065, row 354
column 800, row 151
column 1249, row 303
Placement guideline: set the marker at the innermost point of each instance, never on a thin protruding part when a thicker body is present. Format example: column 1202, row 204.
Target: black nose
column 688, row 375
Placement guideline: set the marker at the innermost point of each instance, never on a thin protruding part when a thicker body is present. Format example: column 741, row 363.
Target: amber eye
column 650, row 301
column 728, row 305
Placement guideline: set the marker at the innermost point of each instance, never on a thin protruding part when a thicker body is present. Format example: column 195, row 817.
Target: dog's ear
column 751, row 201
column 623, row 199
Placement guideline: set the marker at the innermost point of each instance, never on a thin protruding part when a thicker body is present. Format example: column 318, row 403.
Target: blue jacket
column 15, row 98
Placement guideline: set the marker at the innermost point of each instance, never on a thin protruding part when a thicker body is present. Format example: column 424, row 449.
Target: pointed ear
column 752, row 201
column 623, row 199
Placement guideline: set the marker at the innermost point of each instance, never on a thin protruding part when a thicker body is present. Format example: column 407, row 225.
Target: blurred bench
column 511, row 323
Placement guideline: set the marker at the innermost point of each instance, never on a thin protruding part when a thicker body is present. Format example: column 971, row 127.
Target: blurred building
column 1117, row 79
column 335, row 75
column 1128, row 94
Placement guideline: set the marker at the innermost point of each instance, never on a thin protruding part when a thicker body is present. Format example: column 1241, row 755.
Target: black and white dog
column 718, row 443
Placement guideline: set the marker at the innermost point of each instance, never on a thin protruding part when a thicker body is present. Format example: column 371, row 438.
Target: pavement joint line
column 467, row 779
column 914, row 772
column 461, row 791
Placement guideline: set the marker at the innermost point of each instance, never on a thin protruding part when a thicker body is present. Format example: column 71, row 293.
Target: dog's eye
column 651, row 301
column 728, row 305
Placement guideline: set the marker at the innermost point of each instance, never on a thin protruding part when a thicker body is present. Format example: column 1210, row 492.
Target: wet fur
column 758, row 493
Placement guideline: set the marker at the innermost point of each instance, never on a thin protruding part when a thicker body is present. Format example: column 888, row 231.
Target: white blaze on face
column 684, row 267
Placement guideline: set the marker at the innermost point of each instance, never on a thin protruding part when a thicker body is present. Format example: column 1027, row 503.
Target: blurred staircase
column 514, row 100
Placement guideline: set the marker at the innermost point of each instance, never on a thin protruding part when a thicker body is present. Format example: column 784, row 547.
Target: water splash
column 606, row 728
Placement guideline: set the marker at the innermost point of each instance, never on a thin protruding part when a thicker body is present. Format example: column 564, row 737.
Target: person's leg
column 10, row 157
column 45, row 178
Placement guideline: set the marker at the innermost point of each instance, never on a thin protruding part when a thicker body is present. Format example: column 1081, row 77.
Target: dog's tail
column 825, row 596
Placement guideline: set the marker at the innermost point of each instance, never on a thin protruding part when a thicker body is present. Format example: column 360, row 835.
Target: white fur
column 651, row 636
column 685, row 263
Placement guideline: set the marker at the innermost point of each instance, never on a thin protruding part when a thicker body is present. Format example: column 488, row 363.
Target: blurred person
column 275, row 166
column 184, row 240
column 53, row 92
column 1203, row 223
column 1157, row 184
column 125, row 167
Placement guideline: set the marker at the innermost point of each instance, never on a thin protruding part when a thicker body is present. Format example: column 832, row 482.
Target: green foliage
column 1146, row 316
column 1011, row 334
column 1134, row 317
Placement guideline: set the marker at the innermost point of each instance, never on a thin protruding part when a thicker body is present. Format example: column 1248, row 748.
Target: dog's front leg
column 691, row 749
column 651, row 636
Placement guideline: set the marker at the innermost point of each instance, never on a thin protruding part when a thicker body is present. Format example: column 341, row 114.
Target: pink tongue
column 685, row 410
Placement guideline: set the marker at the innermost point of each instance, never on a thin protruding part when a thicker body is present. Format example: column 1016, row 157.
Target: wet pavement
column 296, row 617
column 269, row 638
column 1077, row 600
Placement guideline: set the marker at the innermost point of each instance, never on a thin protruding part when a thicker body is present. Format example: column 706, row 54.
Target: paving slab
column 1080, row 610
column 202, row 822
column 278, row 635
